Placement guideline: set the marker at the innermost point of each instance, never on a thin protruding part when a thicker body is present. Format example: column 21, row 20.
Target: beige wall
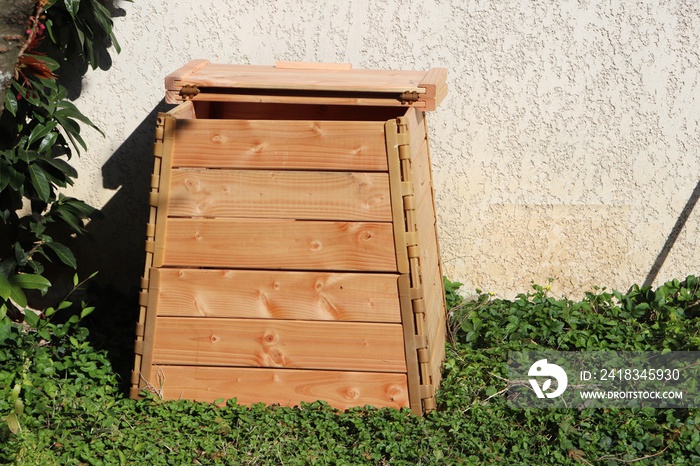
column 568, row 146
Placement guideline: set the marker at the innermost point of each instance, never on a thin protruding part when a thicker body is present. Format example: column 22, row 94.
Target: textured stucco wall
column 568, row 146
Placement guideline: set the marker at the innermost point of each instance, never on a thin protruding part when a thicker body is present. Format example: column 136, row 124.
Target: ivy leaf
column 64, row 253
column 31, row 318
column 40, row 182
column 13, row 423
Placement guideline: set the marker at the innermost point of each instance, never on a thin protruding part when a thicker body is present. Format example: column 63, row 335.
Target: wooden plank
column 300, row 65
column 435, row 316
column 437, row 355
column 269, row 77
column 278, row 295
column 280, row 194
column 183, row 111
column 416, row 127
column 409, row 332
column 435, row 85
column 288, row 387
column 432, row 287
column 323, row 145
column 279, row 343
column 344, row 99
column 280, row 244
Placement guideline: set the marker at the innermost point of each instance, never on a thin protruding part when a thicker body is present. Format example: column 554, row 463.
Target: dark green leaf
column 64, row 253
column 72, row 6
column 4, row 176
column 16, row 180
column 40, row 182
column 49, row 28
column 30, row 281
column 27, row 155
column 5, row 288
column 31, row 318
column 48, row 142
column 11, row 102
column 74, row 222
column 21, row 257
column 77, row 207
column 18, row 295
column 38, row 228
column 63, row 166
column 68, row 109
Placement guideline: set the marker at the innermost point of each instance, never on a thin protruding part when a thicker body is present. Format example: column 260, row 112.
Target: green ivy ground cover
column 60, row 398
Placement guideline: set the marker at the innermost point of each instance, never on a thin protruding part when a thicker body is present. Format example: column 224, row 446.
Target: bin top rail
column 294, row 82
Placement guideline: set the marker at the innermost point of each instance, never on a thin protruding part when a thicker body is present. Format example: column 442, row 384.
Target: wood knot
column 192, row 184
column 393, row 391
column 270, row 338
column 351, row 393
column 202, row 207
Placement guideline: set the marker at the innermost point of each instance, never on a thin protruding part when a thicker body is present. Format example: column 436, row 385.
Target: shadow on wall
column 673, row 235
column 114, row 247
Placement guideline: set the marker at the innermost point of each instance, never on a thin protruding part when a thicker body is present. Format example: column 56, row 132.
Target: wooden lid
column 293, row 82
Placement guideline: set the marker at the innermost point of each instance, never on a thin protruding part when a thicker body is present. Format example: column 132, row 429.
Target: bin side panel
column 279, row 194
column 279, row 244
column 279, row 343
column 288, row 387
column 322, row 145
column 431, row 273
column 278, row 295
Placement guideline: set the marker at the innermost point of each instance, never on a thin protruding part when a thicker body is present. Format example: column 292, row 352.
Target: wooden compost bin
column 291, row 250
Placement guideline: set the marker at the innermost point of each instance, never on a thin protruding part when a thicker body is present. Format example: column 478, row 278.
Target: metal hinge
column 189, row 91
column 409, row 97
